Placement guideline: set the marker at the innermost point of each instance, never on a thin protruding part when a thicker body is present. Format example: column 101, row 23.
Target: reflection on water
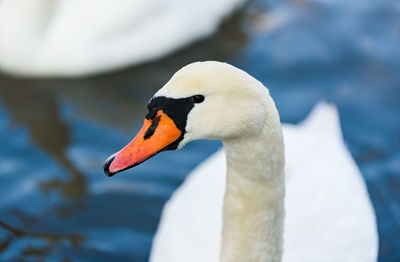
column 55, row 134
column 51, row 240
column 36, row 108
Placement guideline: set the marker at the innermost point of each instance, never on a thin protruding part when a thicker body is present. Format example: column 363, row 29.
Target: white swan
column 80, row 37
column 329, row 216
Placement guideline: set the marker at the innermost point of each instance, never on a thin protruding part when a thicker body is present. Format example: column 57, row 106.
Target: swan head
column 203, row 100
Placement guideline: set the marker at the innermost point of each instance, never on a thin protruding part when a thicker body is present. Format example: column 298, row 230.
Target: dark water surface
column 57, row 205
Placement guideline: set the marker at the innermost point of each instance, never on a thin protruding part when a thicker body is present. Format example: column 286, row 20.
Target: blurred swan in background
column 81, row 37
column 329, row 215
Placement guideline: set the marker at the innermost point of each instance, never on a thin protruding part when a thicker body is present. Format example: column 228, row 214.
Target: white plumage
column 329, row 216
column 236, row 209
column 80, row 37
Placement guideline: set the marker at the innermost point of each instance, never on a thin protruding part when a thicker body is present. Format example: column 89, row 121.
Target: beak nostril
column 107, row 166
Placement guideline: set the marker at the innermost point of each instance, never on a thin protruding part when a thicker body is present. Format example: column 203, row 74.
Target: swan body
column 240, row 216
column 329, row 216
column 81, row 37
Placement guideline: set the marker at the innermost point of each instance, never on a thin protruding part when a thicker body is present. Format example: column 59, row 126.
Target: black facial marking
column 176, row 108
column 152, row 128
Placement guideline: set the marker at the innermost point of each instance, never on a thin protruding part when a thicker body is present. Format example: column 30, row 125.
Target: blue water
column 55, row 134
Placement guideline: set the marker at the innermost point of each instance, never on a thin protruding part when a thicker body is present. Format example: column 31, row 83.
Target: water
column 55, row 134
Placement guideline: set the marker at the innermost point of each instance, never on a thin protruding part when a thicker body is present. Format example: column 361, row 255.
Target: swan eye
column 197, row 99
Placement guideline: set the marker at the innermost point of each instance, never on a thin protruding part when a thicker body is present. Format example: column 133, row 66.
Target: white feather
column 329, row 216
column 80, row 37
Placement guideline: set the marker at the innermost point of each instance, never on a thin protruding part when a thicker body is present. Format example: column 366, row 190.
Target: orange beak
column 155, row 135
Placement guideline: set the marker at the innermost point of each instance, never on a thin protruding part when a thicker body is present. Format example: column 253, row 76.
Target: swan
column 81, row 37
column 244, row 215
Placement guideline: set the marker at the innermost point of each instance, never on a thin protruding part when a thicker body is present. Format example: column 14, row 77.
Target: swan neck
column 254, row 198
